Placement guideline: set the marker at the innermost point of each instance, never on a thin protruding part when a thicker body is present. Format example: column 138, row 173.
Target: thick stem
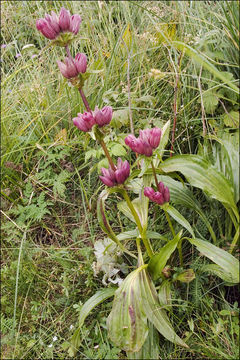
column 154, row 174
column 139, row 225
column 84, row 99
column 102, row 143
column 169, row 223
column 68, row 52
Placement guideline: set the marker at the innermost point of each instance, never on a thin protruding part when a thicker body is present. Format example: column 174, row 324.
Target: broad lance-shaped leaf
column 179, row 218
column 154, row 312
column 226, row 261
column 158, row 261
column 127, row 322
column 181, row 194
column 217, row 270
column 150, row 349
column 202, row 174
column 91, row 303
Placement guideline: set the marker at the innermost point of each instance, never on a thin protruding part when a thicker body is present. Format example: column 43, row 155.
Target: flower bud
column 46, row 29
column 104, row 116
column 84, row 122
column 161, row 196
column 148, row 141
column 68, row 69
column 81, row 62
column 119, row 176
column 123, row 171
column 75, row 22
column 52, row 26
column 64, row 19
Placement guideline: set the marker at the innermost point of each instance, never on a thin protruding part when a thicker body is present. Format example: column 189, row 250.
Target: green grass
column 49, row 190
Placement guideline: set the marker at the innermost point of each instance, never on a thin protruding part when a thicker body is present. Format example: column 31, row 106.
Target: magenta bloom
column 147, row 141
column 52, row 25
column 112, row 178
column 161, row 196
column 84, row 121
column 72, row 67
column 104, row 116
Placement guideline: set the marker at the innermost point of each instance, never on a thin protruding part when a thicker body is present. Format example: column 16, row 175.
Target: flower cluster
column 52, row 25
column 147, row 141
column 161, row 196
column 115, row 177
column 72, row 67
column 85, row 121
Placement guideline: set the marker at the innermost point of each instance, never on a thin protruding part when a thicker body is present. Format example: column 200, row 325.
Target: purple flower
column 119, row 176
column 161, row 196
column 104, row 116
column 64, row 19
column 18, row 55
column 84, row 121
column 81, row 62
column 147, row 141
column 52, row 25
column 72, row 67
column 3, row 46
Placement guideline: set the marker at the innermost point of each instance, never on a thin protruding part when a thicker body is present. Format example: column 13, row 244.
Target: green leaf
column 180, row 194
column 217, row 270
column 205, row 63
column 210, row 101
column 158, row 261
column 127, row 37
column 91, row 303
column 226, row 261
column 127, row 322
column 202, row 174
column 154, row 311
column 120, row 117
column 150, row 349
column 231, row 119
column 138, row 206
column 164, row 293
column 163, row 141
column 118, row 150
column 179, row 218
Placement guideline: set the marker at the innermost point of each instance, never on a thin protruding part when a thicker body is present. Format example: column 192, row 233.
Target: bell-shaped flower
column 72, row 67
column 147, row 141
column 52, row 25
column 84, row 121
column 103, row 116
column 161, row 196
column 118, row 176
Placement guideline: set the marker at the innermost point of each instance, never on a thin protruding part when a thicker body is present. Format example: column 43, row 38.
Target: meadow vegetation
column 152, row 61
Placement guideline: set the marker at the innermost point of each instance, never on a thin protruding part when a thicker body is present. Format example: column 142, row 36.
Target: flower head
column 52, row 25
column 161, row 196
column 72, row 67
column 84, row 121
column 103, row 116
column 118, row 176
column 147, row 141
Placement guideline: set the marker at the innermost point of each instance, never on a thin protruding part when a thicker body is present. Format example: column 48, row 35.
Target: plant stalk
column 139, row 225
column 169, row 223
column 154, row 174
column 102, row 143
column 84, row 99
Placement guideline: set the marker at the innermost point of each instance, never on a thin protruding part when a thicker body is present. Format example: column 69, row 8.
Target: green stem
column 139, row 225
column 154, row 174
column 169, row 223
column 234, row 242
column 102, row 143
column 179, row 246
